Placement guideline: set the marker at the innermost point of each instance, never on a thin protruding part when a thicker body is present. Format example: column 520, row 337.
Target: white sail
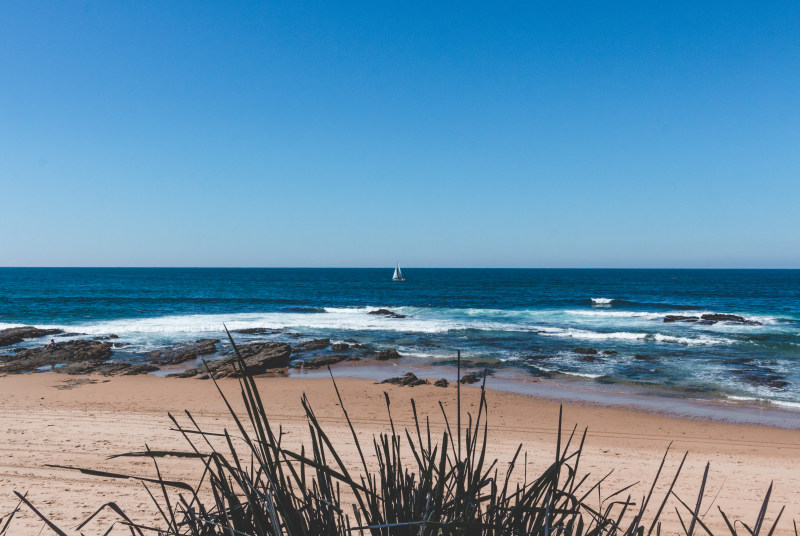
column 398, row 274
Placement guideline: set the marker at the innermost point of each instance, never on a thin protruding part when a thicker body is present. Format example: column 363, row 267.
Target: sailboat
column 398, row 274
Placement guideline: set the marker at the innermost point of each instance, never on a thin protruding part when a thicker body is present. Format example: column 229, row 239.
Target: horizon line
column 388, row 267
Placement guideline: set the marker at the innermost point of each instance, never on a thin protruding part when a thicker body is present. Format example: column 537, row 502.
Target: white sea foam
column 572, row 373
column 690, row 341
column 590, row 325
column 782, row 403
column 603, row 314
column 602, row 301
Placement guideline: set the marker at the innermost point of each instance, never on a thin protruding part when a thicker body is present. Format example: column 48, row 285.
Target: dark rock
column 585, row 351
column 680, row 318
column 387, row 312
column 118, row 368
column 441, row 383
column 70, row 334
column 81, row 367
column 736, row 319
column 105, row 337
column 31, row 359
column 642, row 357
column 387, row 354
column 472, row 377
column 762, row 378
column 256, row 331
column 589, row 358
column 409, row 379
column 183, row 352
column 258, row 358
column 11, row 336
column 316, row 344
column 610, row 352
column 340, row 347
column 126, row 369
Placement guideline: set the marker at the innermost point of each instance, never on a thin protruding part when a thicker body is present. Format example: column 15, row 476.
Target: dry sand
column 50, row 418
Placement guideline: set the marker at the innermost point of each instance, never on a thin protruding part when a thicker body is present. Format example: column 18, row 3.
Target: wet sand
column 80, row 421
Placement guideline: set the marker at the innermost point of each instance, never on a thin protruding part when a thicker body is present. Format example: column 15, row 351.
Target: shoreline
column 510, row 378
column 81, row 421
column 578, row 391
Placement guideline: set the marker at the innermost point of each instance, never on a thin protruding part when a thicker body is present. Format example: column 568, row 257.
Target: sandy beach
column 81, row 421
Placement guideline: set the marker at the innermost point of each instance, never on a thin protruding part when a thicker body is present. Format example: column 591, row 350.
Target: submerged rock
column 736, row 319
column 183, row 352
column 709, row 319
column 585, row 351
column 387, row 313
column 11, row 336
column 762, row 378
column 409, row 379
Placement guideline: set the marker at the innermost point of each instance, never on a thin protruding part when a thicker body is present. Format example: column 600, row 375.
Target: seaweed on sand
column 435, row 487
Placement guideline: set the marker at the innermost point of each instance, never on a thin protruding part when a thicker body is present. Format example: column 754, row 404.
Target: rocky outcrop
column 256, row 331
column 258, row 358
column 409, row 380
column 183, row 352
column 31, row 359
column 316, row 344
column 736, row 319
column 340, row 347
column 387, row 354
column 386, row 313
column 441, row 383
column 680, row 318
column 585, row 351
column 710, row 319
column 11, row 336
column 471, row 377
column 119, row 368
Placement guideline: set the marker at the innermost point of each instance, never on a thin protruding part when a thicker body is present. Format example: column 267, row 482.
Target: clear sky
column 524, row 134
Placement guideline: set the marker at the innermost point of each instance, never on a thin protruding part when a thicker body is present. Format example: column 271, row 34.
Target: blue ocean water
column 531, row 319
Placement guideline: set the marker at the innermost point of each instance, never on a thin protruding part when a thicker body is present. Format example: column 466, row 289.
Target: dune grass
column 415, row 481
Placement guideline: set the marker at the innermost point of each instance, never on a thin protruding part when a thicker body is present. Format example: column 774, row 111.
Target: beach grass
column 415, row 481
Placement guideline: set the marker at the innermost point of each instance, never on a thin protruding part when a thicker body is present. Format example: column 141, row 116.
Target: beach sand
column 81, row 421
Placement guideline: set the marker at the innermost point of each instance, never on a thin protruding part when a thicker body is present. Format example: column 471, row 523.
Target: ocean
column 597, row 326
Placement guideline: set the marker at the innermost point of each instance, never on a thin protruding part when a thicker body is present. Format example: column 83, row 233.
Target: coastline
column 647, row 399
column 80, row 421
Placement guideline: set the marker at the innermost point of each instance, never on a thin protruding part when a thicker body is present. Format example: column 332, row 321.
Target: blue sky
column 552, row 134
